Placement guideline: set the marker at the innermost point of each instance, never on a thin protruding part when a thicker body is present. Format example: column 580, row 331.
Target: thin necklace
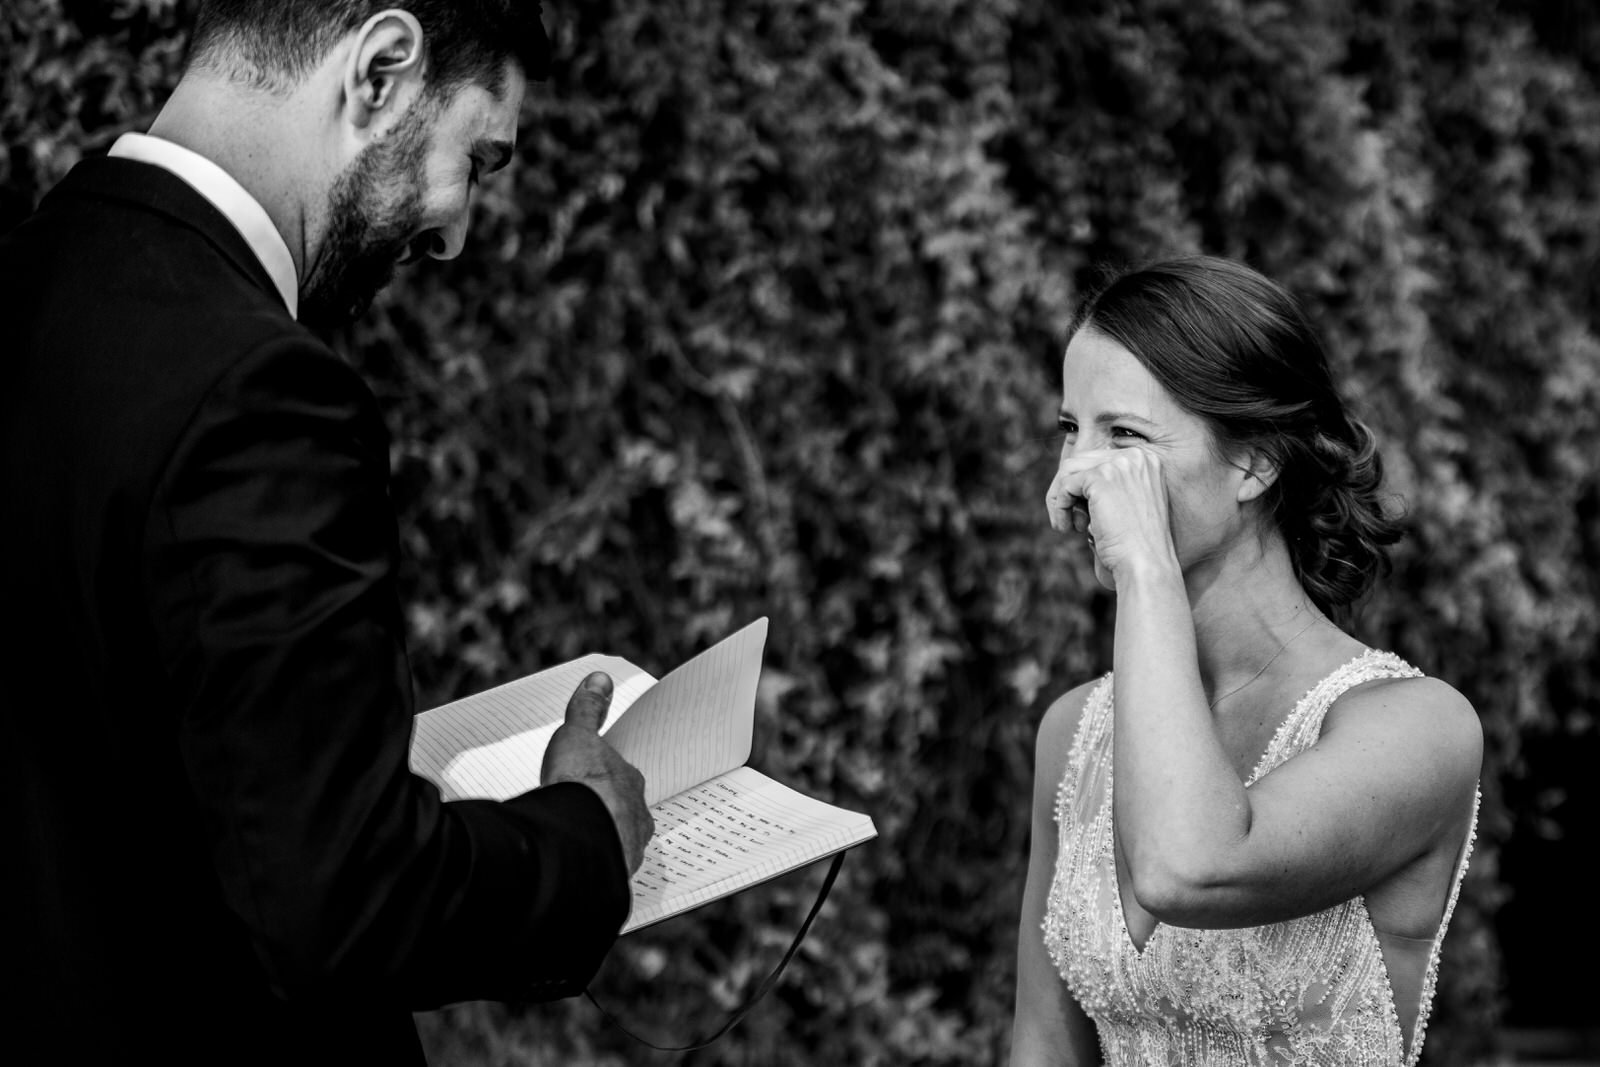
column 1213, row 705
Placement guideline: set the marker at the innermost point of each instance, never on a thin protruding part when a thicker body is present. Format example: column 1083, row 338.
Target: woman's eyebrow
column 1105, row 417
column 1123, row 416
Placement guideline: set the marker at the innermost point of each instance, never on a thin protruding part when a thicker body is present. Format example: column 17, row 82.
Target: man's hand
column 577, row 753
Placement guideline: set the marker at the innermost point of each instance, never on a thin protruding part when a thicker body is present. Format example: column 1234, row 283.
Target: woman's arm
column 1049, row 1027
column 1390, row 779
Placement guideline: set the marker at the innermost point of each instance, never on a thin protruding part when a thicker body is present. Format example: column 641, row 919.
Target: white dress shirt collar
column 229, row 197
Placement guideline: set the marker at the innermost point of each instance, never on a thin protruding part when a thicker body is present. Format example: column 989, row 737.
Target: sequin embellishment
column 1311, row 991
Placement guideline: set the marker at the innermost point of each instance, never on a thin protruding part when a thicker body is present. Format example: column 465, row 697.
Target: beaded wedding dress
column 1312, row 991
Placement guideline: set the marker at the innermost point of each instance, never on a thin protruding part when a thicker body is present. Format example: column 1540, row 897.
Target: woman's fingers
column 1114, row 492
column 1067, row 500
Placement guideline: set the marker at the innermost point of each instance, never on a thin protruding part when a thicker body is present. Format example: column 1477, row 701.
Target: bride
column 1270, row 879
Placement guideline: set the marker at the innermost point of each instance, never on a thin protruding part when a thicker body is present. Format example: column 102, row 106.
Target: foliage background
column 766, row 320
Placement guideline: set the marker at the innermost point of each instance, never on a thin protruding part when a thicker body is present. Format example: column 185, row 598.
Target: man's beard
column 366, row 237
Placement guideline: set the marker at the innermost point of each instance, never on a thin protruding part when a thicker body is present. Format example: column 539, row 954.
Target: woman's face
column 1109, row 400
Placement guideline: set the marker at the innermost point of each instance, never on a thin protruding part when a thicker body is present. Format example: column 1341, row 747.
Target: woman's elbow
column 1174, row 889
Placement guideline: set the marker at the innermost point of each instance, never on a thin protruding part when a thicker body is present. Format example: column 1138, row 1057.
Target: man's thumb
column 587, row 708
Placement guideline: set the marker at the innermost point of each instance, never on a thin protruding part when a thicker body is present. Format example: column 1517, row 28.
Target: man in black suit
column 223, row 855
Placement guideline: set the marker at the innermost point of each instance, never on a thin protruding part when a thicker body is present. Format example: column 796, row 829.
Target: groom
column 219, row 852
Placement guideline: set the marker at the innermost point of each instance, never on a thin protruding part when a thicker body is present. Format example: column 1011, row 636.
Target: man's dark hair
column 279, row 41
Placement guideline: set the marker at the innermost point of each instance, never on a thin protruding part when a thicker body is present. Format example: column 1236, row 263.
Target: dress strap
column 1092, row 735
column 1303, row 725
column 1430, row 977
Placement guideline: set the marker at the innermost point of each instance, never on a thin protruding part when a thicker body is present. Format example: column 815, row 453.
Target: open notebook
column 721, row 826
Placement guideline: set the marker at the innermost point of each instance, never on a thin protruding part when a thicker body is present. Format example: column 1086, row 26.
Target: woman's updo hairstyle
column 1237, row 350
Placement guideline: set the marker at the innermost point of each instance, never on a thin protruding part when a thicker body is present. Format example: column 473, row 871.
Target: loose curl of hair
column 1238, row 351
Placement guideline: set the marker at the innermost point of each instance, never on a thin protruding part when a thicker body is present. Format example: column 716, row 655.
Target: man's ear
column 386, row 56
column 1259, row 470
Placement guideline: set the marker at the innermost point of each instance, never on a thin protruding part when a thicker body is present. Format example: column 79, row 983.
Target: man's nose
column 443, row 242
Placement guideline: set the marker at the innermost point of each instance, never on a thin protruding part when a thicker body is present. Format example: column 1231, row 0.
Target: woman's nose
column 1076, row 443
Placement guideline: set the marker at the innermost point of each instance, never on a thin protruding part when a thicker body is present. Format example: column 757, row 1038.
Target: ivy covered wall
column 766, row 319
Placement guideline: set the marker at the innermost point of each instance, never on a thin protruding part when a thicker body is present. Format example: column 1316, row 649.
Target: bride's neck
column 1246, row 608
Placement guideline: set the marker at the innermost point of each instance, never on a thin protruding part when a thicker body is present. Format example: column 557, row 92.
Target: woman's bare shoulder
column 1425, row 714
column 1060, row 722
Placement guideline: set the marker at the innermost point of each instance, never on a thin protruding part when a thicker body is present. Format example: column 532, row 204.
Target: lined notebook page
column 698, row 720
column 730, row 833
column 490, row 745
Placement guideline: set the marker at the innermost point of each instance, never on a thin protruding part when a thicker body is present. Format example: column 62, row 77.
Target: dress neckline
column 1142, row 996
column 1264, row 763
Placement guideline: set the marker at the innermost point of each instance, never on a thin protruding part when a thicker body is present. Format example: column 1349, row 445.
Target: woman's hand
column 1119, row 496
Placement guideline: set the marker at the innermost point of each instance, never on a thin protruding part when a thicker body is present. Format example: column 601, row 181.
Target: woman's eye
column 1122, row 433
column 1067, row 426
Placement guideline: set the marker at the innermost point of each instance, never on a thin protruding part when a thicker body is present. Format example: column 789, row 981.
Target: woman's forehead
column 1099, row 371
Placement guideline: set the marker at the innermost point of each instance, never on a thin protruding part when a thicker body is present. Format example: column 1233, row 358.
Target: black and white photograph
column 759, row 533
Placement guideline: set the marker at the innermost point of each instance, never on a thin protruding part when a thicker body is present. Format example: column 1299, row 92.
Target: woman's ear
column 1260, row 471
column 387, row 54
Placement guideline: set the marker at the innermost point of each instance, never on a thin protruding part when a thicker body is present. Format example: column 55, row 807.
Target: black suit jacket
column 223, row 855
